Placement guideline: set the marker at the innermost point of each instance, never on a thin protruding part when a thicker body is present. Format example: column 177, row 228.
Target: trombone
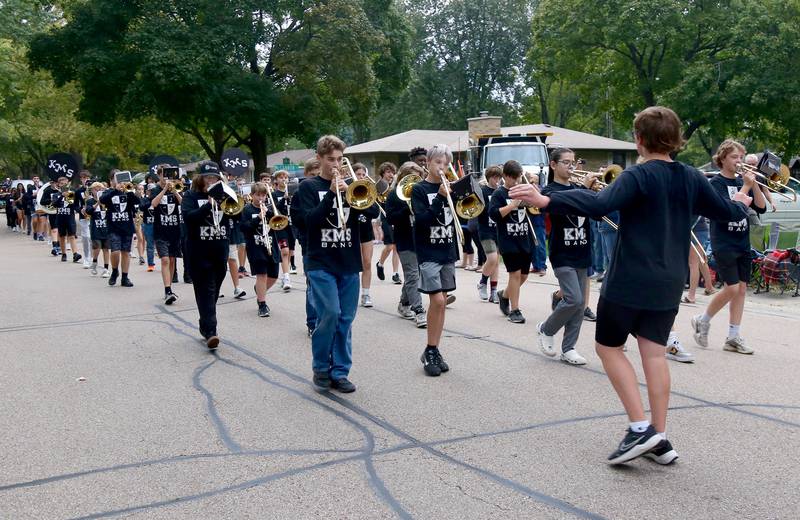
column 774, row 183
column 361, row 193
column 265, row 226
column 456, row 222
column 277, row 222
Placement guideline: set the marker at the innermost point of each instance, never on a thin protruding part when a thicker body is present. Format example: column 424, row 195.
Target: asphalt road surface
column 112, row 407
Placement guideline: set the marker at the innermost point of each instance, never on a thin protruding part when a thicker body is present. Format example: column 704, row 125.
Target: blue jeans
column 597, row 248
column 336, row 301
column 147, row 229
column 609, row 237
column 540, row 250
column 311, row 314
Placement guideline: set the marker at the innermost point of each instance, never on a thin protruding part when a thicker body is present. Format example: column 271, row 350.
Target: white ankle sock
column 663, row 434
column 364, row 291
column 733, row 330
column 639, row 426
column 705, row 318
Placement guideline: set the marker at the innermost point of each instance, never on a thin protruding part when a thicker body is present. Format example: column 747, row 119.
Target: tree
column 227, row 72
column 706, row 59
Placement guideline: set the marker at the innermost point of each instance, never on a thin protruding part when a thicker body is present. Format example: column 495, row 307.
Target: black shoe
column 187, row 278
column 112, row 280
column 53, row 252
column 76, row 258
column 396, row 279
column 343, row 385
column 170, row 298
column 263, row 310
column 635, row 445
column 663, row 453
column 588, row 315
column 63, row 258
column 322, row 381
column 430, row 362
column 310, row 331
column 212, row 341
column 381, row 274
column 516, row 316
column 451, row 298
column 126, row 282
column 505, row 303
column 443, row 366
column 41, row 238
column 554, row 299
column 175, row 276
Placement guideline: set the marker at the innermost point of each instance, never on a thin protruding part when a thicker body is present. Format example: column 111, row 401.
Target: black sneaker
column 170, row 298
column 516, row 316
column 443, row 366
column 588, row 315
column 112, row 280
column 175, row 276
column 126, row 282
column 635, row 445
column 76, row 258
column 322, row 381
column 381, row 274
column 263, row 310
column 505, row 303
column 430, row 362
column 63, row 258
column 554, row 299
column 396, row 279
column 343, row 385
column 53, row 252
column 663, row 453
column 212, row 341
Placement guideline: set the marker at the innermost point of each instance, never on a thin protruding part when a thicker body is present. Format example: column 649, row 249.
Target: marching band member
column 514, row 241
column 730, row 243
column 398, row 213
column 121, row 207
column 311, row 169
column 236, row 243
column 81, row 194
column 165, row 202
column 386, row 173
column 642, row 290
column 261, row 243
column 487, row 234
column 207, row 249
column 98, row 227
column 138, row 220
column 571, row 256
column 367, row 236
column 332, row 265
column 281, row 195
column 437, row 250
column 65, row 221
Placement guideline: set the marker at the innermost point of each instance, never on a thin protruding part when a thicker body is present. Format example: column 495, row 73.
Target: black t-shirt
column 253, row 232
column 570, row 235
column 731, row 235
column 434, row 225
column 487, row 228
column 205, row 241
column 513, row 230
column 656, row 201
column 98, row 220
column 121, row 209
column 330, row 248
column 166, row 216
column 81, row 194
column 398, row 213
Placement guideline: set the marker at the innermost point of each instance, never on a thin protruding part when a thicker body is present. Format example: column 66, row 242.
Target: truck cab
column 529, row 150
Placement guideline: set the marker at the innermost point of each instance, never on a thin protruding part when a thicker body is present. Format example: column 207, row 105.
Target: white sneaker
column 405, row 312
column 483, row 292
column 676, row 352
column 421, row 320
column 239, row 293
column 546, row 343
column 94, row 270
column 700, row 329
column 366, row 301
column 106, row 273
column 737, row 345
column 573, row 358
column 87, row 263
column 293, row 270
column 286, row 284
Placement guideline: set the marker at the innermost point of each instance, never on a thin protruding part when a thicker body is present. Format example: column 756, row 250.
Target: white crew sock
column 640, row 426
column 364, row 291
column 663, row 434
column 733, row 330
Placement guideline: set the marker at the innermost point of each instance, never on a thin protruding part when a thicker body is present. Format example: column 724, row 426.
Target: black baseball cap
column 208, row 168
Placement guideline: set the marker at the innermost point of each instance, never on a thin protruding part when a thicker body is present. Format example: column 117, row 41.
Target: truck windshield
column 523, row 154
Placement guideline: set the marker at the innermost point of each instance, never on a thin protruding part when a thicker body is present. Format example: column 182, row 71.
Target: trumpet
column 776, row 183
column 580, row 176
column 176, row 187
column 127, row 187
column 69, row 196
column 277, row 222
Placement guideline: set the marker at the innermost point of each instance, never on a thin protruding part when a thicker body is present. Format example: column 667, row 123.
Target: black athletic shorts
column 65, row 225
column 733, row 266
column 99, row 243
column 291, row 241
column 264, row 267
column 517, row 262
column 168, row 248
column 615, row 322
column 388, row 233
column 365, row 231
column 120, row 243
column 53, row 221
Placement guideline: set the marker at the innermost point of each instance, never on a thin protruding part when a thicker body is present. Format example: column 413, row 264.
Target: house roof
column 295, row 156
column 458, row 140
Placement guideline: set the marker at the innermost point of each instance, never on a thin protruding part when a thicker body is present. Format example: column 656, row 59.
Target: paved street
column 162, row 429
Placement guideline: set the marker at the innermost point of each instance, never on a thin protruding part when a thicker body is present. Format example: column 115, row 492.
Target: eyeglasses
column 566, row 162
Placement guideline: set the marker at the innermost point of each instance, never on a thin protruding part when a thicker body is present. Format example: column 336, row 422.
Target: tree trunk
column 257, row 142
column 543, row 103
column 692, row 128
